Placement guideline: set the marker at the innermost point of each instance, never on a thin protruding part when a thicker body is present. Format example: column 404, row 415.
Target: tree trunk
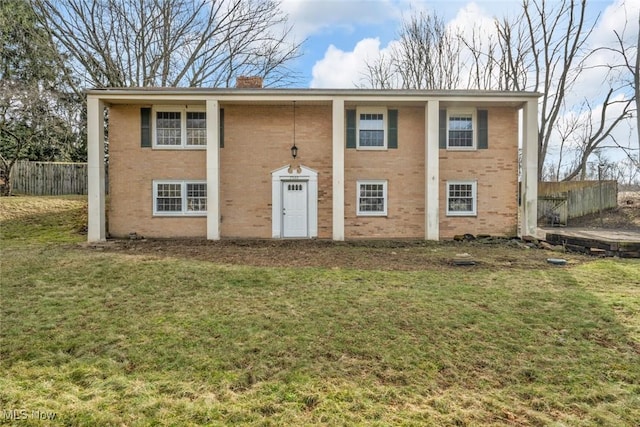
column 636, row 83
column 7, row 188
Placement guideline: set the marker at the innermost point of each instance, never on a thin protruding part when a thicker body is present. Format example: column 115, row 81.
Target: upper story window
column 372, row 123
column 180, row 128
column 461, row 126
column 196, row 128
column 168, row 128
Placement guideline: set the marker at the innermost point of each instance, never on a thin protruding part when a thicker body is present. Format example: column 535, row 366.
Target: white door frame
column 286, row 173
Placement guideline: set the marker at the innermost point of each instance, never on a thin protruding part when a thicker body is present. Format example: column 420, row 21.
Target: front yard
column 264, row 333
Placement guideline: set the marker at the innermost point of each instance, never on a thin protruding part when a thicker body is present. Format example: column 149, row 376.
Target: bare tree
column 627, row 172
column 484, row 65
column 567, row 128
column 513, row 55
column 635, row 70
column 596, row 130
column 546, row 49
column 629, row 68
column 426, row 56
column 135, row 43
column 380, row 74
column 557, row 36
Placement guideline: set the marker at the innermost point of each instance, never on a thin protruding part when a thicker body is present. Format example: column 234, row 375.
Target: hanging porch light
column 294, row 148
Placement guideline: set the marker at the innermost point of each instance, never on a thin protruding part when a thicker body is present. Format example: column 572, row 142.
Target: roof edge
column 267, row 92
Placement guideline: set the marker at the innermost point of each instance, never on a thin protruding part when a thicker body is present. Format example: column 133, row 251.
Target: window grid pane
column 168, row 128
column 461, row 131
column 371, row 130
column 371, row 198
column 196, row 197
column 371, row 138
column 196, row 128
column 460, row 198
column 169, row 198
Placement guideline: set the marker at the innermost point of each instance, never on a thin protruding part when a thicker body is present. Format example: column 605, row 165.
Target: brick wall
column 258, row 141
column 132, row 170
column 403, row 168
column 496, row 172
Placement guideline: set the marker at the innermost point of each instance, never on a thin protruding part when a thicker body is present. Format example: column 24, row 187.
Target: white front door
column 294, row 209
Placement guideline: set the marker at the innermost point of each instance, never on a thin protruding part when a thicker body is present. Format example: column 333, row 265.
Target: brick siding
column 132, row 170
column 403, row 168
column 496, row 171
column 257, row 141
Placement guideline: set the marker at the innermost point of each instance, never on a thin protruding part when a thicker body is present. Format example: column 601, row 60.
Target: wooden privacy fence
column 49, row 178
column 559, row 202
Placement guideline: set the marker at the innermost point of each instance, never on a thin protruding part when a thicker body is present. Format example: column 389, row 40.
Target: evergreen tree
column 39, row 112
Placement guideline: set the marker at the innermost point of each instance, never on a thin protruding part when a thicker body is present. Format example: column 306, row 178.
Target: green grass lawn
column 104, row 338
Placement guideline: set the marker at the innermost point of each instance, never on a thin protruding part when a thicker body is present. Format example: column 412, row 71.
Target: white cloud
column 345, row 69
column 340, row 69
column 315, row 16
column 469, row 17
column 613, row 18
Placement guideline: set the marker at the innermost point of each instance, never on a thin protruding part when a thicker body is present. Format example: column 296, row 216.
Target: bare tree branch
column 134, row 43
column 598, row 131
column 426, row 56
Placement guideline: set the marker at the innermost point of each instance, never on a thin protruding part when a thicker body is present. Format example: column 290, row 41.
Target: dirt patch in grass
column 402, row 255
column 63, row 219
column 366, row 255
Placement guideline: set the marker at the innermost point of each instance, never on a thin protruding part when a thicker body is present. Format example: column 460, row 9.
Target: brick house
column 218, row 163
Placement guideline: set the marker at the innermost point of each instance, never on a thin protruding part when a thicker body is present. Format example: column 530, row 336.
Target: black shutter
column 392, row 128
column 351, row 128
column 145, row 127
column 442, row 133
column 483, row 129
column 221, row 128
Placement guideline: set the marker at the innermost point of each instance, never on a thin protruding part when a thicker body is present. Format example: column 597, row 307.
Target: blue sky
column 340, row 33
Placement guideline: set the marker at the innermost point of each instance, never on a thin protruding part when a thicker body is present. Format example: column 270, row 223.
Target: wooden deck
column 600, row 241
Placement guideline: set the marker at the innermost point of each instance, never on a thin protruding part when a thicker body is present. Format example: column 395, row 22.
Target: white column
column 338, row 169
column 213, row 170
column 432, row 171
column 96, row 231
column 529, row 191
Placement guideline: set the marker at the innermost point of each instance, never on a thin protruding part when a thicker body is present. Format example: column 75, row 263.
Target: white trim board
column 287, row 173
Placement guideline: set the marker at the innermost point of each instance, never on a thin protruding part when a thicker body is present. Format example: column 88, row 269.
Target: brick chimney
column 248, row 82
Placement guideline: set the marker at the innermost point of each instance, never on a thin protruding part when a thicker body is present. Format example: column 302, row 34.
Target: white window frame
column 474, row 123
column 183, row 110
column 372, row 110
column 183, row 195
column 384, row 183
column 474, row 190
